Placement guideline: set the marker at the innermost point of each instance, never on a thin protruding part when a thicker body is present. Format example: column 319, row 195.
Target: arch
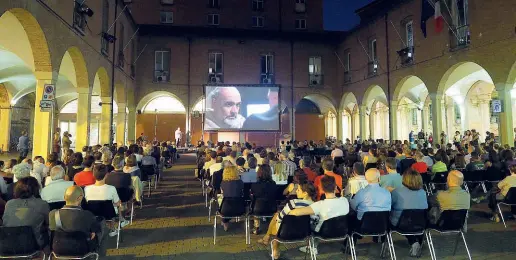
column 511, row 79
column 157, row 94
column 26, row 39
column 5, row 97
column 347, row 102
column 411, row 87
column 120, row 93
column 323, row 103
column 458, row 79
column 199, row 105
column 374, row 93
column 101, row 83
column 73, row 74
column 71, row 106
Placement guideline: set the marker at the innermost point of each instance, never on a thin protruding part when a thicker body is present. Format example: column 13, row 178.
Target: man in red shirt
column 305, row 165
column 85, row 177
column 327, row 165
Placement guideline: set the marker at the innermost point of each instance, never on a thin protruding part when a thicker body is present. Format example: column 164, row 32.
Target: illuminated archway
column 467, row 90
column 376, row 114
column 319, row 112
column 350, row 116
column 25, row 66
column 159, row 114
column 412, row 104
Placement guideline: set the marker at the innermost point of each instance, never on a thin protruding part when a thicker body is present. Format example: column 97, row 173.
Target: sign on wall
column 47, row 100
column 496, row 106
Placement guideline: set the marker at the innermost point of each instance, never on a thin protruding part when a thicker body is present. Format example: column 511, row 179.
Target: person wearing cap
column 268, row 120
column 289, row 167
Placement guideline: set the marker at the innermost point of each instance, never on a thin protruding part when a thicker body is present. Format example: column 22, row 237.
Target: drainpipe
column 113, row 80
column 188, row 115
column 292, row 110
column 388, row 73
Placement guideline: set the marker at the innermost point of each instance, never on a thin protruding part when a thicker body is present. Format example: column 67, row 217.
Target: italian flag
column 438, row 17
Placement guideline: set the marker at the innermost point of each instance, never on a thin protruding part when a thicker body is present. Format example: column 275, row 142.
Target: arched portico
column 375, row 115
column 410, row 108
column 467, row 90
column 160, row 114
column 28, row 68
column 318, row 111
column 350, row 116
column 101, row 87
column 73, row 83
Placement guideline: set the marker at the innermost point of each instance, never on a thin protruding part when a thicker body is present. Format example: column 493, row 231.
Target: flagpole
column 399, row 36
column 449, row 27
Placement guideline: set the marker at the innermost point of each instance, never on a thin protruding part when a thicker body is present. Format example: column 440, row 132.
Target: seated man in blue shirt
column 392, row 180
column 372, row 197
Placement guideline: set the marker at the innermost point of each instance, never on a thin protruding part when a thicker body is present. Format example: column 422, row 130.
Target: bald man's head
column 372, row 175
column 226, row 103
column 73, row 195
column 455, row 178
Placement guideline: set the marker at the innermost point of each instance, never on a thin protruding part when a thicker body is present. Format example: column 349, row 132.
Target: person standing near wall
column 23, row 145
column 178, row 136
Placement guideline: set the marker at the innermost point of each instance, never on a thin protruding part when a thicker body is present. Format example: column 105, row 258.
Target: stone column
column 393, row 113
column 120, row 124
column 505, row 128
column 5, row 125
column 131, row 125
column 83, row 119
column 105, row 120
column 363, row 121
column 340, row 130
column 424, row 118
column 437, row 116
column 42, row 134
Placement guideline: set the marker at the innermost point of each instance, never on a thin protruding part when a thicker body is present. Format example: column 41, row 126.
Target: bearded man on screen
column 224, row 109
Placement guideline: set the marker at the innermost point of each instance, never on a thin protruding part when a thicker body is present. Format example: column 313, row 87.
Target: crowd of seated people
column 366, row 176
column 52, row 197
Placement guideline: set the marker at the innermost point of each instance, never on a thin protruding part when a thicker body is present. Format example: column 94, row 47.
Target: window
column 414, row 116
column 215, row 69
column 267, row 68
column 315, row 70
column 79, row 16
column 213, row 3
column 300, row 6
column 347, row 65
column 257, row 21
column 257, row 5
column 213, row 19
column 121, row 44
column 167, row 2
column 161, row 65
column 267, row 64
column 300, row 1
column 166, row 17
column 133, row 58
column 372, row 50
column 314, row 66
column 300, row 24
column 410, row 34
column 460, row 35
column 104, row 44
column 456, row 109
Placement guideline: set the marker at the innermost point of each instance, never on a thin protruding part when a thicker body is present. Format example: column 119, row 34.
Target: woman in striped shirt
column 305, row 197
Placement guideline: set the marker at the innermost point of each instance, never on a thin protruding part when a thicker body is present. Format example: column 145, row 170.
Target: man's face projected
column 226, row 106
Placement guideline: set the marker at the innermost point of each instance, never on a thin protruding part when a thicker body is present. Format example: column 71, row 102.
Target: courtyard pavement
column 173, row 224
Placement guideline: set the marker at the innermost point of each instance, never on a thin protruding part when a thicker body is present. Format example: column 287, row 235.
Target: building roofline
column 328, row 37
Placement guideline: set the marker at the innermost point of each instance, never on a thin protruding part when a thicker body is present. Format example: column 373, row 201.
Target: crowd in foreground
column 53, row 195
column 327, row 180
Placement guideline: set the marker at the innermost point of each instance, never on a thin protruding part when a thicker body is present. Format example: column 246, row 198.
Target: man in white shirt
column 55, row 190
column 328, row 208
column 101, row 191
column 216, row 166
column 336, row 152
column 178, row 134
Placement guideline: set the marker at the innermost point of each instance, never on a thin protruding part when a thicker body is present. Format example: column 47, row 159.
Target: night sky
column 339, row 15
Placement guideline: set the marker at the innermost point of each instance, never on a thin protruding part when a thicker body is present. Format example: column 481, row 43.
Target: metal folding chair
column 450, row 222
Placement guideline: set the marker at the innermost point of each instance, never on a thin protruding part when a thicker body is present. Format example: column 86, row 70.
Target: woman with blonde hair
column 231, row 187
